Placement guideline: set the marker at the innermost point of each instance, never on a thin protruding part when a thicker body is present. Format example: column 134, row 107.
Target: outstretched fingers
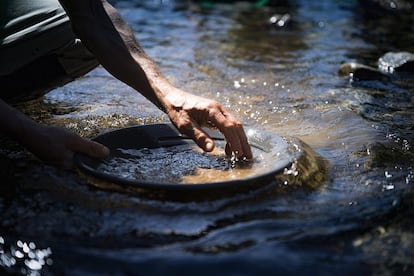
column 200, row 113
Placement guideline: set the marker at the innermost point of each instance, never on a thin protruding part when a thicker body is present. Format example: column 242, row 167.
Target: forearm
column 53, row 145
column 106, row 35
column 15, row 124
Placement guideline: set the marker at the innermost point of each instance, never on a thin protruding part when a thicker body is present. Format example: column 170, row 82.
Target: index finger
column 233, row 131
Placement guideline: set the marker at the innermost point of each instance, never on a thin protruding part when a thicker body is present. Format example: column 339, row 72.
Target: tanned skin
column 102, row 30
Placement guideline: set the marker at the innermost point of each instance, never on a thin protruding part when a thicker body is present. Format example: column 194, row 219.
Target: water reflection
column 382, row 28
column 357, row 219
column 25, row 256
column 249, row 42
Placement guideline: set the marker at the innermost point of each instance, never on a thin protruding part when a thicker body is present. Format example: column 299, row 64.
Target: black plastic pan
column 278, row 155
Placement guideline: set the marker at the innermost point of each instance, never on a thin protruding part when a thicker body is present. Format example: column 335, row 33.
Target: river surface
column 276, row 73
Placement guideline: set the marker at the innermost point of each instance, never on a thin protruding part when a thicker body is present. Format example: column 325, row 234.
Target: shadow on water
column 348, row 209
column 65, row 213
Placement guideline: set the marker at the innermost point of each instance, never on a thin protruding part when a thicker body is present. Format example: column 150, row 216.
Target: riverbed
column 275, row 68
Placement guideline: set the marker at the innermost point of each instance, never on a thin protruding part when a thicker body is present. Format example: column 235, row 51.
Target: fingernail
column 105, row 151
column 209, row 146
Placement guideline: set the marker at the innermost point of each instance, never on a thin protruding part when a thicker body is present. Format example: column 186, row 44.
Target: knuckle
column 213, row 103
column 214, row 106
column 233, row 124
column 238, row 124
column 228, row 124
column 184, row 125
column 199, row 135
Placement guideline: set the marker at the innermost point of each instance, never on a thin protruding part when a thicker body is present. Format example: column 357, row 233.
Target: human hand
column 189, row 113
column 57, row 146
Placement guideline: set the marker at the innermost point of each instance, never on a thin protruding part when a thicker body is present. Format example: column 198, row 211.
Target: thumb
column 92, row 148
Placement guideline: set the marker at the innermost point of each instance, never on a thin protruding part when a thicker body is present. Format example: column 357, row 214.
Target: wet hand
column 189, row 113
column 57, row 146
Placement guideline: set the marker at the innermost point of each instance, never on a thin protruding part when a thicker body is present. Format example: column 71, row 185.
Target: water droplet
column 18, row 254
column 237, row 84
column 26, row 248
column 33, row 264
column 31, row 255
column 19, row 243
column 357, row 243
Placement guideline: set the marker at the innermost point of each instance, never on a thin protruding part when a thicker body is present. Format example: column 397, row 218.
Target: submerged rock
column 360, row 72
column 393, row 67
column 396, row 62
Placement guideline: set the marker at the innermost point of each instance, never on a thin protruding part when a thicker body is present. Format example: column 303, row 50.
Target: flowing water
column 276, row 69
column 182, row 164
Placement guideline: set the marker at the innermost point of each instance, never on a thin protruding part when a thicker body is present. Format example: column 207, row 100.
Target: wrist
column 166, row 96
column 15, row 124
column 26, row 131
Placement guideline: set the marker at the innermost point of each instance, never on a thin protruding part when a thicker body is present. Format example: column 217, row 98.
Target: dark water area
column 276, row 67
